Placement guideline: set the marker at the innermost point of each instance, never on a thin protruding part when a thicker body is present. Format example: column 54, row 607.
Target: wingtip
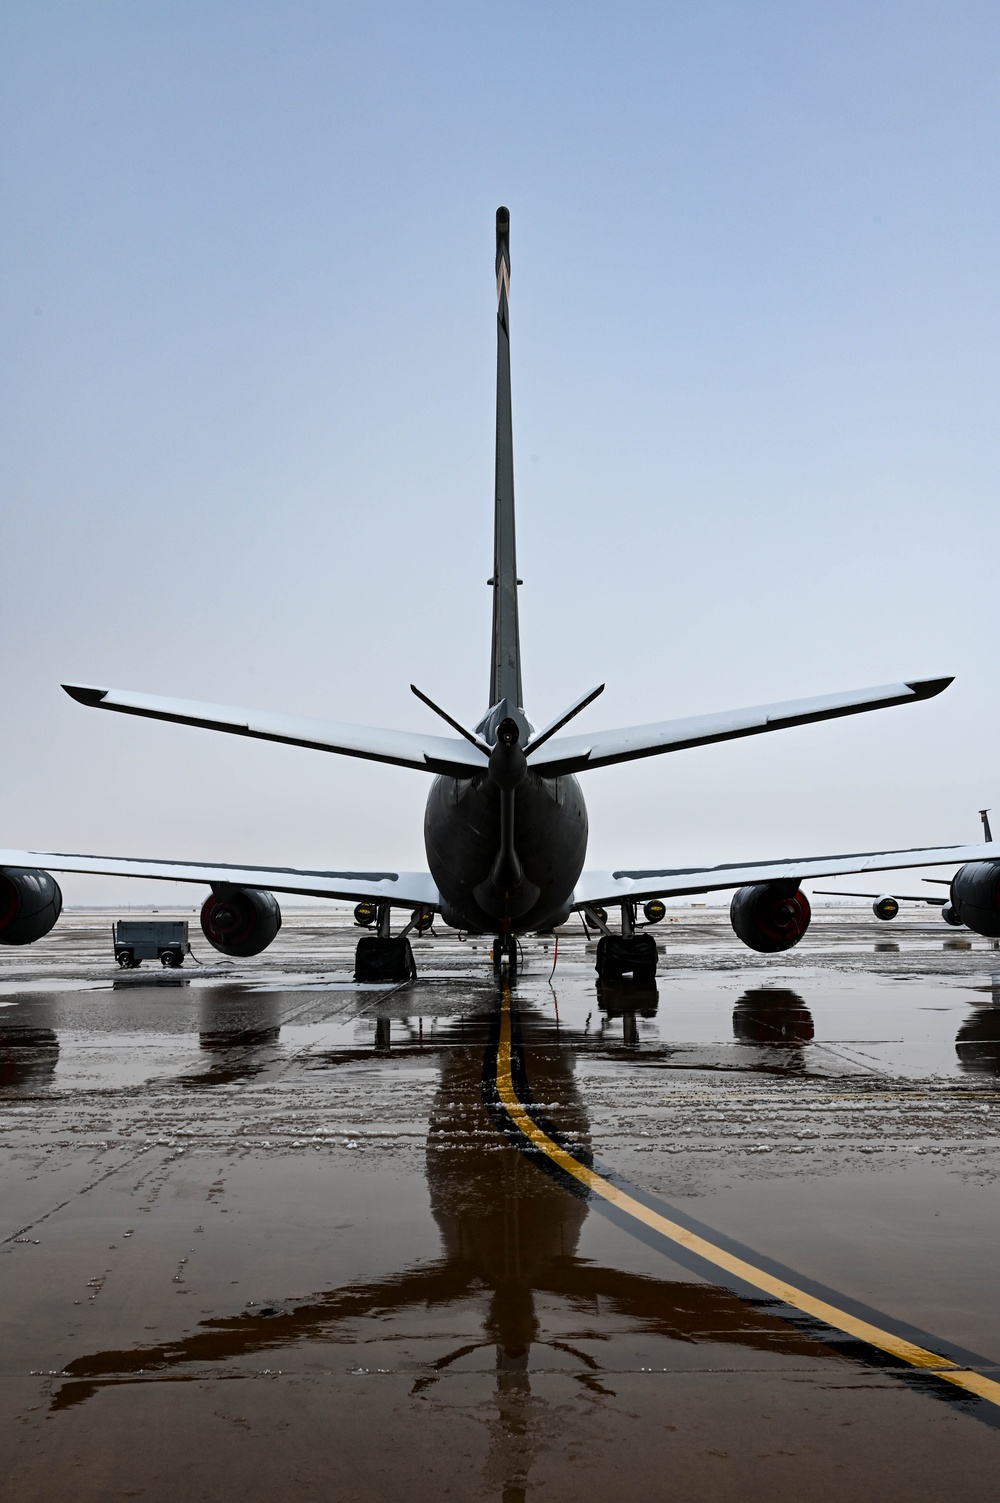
column 84, row 694
column 926, row 688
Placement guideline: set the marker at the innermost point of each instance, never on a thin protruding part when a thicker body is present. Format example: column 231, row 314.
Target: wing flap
column 569, row 754
column 612, row 887
column 407, row 889
column 439, row 754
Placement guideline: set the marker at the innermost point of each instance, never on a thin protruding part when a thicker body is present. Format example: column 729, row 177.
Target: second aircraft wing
column 665, row 882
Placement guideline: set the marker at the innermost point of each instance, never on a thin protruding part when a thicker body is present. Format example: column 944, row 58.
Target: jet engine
column 885, row 907
column 770, row 916
column 655, row 911
column 30, row 903
column 975, row 897
column 950, row 916
column 365, row 914
column 240, row 920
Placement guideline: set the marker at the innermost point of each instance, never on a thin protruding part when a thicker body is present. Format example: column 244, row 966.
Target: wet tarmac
column 269, row 1233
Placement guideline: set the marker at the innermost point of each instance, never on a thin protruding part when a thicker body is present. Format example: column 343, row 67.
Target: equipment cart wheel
column 127, row 960
column 171, row 959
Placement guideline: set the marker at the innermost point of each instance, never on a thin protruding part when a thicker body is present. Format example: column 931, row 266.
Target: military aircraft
column 505, row 826
column 886, row 904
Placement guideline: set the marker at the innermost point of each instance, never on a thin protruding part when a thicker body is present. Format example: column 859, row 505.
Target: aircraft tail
column 505, row 668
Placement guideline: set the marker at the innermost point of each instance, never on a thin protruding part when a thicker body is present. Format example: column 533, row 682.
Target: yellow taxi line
column 840, row 1320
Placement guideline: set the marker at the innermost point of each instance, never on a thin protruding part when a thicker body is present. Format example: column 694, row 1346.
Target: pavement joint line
column 53, row 1210
column 915, row 1356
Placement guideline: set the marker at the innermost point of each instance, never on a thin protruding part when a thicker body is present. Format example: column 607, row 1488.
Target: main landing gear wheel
column 380, row 959
column 621, row 955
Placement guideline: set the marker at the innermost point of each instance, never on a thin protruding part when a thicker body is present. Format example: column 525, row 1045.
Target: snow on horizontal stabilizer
column 567, row 754
column 437, row 754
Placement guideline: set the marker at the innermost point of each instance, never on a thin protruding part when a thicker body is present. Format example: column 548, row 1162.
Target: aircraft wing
column 407, row 889
column 440, row 754
column 612, row 887
column 566, row 754
column 901, row 897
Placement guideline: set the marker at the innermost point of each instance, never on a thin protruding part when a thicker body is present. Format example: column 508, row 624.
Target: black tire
column 171, row 959
column 605, row 961
column 389, row 960
column 126, row 960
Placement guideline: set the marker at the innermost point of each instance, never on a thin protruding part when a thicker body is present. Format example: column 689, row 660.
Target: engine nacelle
column 365, row 914
column 655, row 911
column 240, row 920
column 975, row 897
column 30, row 903
column 770, row 916
column 885, row 907
column 950, row 916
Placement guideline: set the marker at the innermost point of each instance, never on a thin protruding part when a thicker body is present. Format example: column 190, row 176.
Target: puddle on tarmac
column 287, row 1198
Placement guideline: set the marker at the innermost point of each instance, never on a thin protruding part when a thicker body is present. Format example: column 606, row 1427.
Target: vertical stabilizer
column 505, row 670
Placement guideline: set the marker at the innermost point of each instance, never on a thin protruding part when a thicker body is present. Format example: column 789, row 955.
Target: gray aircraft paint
column 507, row 846
column 505, row 824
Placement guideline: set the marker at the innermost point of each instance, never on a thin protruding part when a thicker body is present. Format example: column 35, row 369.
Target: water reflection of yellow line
column 799, row 1299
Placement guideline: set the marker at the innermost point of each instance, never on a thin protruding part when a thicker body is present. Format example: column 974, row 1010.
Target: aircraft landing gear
column 382, row 958
column 628, row 953
column 505, row 957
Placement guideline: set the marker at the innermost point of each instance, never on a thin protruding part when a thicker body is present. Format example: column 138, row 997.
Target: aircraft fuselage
column 461, row 825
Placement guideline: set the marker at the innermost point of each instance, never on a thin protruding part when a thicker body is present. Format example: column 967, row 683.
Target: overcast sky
column 249, row 354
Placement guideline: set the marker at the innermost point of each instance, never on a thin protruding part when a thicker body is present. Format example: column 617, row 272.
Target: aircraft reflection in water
column 236, row 1026
column 628, row 1002
column 510, row 1240
column 772, row 1015
column 978, row 1042
column 29, row 1047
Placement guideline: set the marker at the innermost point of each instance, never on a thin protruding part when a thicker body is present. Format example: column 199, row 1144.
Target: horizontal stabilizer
column 568, row 754
column 439, row 754
column 682, row 881
column 407, row 889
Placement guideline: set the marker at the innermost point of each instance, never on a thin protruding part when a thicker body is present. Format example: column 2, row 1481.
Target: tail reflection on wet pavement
column 281, row 1180
column 509, row 1237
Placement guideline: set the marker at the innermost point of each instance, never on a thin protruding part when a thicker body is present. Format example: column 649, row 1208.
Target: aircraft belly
column 462, row 839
